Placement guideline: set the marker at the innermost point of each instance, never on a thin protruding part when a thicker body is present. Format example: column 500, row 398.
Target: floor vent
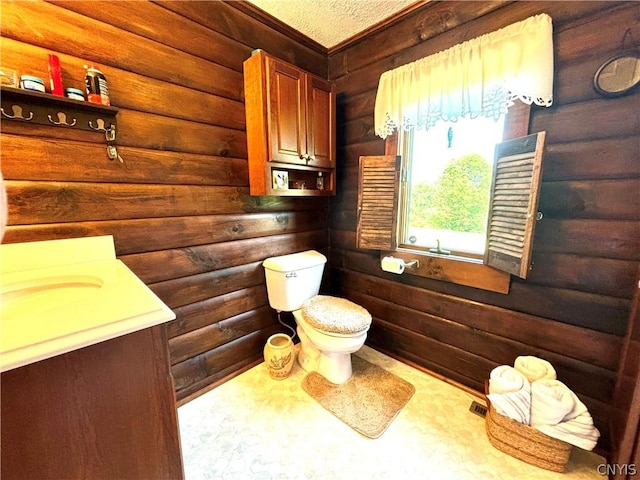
column 478, row 409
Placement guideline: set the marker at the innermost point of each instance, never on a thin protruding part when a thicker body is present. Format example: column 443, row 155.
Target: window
column 384, row 219
column 446, row 185
column 445, row 200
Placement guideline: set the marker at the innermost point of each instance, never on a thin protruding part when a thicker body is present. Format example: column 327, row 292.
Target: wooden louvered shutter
column 514, row 204
column 378, row 202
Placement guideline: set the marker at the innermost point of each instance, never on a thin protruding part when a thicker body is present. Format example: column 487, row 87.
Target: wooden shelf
column 301, row 180
column 46, row 109
column 27, row 106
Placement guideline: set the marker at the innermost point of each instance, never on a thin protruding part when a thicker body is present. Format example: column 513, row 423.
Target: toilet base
column 334, row 366
column 308, row 358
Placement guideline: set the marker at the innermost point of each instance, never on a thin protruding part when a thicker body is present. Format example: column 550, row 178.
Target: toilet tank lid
column 295, row 261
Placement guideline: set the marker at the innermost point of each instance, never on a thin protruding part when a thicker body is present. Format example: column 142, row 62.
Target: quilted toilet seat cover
column 335, row 315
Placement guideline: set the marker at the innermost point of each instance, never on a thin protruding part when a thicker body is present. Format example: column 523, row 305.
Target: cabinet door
column 105, row 411
column 286, row 113
column 320, row 123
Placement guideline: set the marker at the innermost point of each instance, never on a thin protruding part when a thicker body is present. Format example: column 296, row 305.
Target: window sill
column 462, row 271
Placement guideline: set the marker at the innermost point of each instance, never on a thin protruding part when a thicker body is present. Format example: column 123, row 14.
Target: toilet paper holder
column 400, row 264
column 411, row 264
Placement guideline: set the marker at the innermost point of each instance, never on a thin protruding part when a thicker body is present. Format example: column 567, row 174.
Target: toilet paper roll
column 393, row 265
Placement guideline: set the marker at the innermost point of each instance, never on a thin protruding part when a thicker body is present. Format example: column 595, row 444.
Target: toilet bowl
column 330, row 330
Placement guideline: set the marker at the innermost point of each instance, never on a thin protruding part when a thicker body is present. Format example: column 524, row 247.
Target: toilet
column 330, row 328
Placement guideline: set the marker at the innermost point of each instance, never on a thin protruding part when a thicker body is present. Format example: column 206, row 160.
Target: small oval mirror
column 618, row 75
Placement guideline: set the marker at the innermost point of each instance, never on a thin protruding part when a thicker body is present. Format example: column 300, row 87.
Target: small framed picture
column 280, row 179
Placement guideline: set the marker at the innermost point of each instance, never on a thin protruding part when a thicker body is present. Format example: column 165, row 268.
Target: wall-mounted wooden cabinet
column 291, row 129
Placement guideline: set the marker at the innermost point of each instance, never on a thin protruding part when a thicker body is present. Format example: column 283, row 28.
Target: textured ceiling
column 330, row 22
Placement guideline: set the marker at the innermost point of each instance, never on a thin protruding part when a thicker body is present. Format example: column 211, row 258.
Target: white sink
column 34, row 297
column 77, row 299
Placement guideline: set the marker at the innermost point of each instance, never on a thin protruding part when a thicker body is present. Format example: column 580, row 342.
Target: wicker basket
column 526, row 443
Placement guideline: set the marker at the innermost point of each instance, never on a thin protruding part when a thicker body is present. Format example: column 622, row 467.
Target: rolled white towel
column 558, row 412
column 510, row 393
column 506, row 379
column 579, row 431
column 534, row 368
column 552, row 402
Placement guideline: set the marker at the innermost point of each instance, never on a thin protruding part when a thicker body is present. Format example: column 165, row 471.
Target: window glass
column 446, row 196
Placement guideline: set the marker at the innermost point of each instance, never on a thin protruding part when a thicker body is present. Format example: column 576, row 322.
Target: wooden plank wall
column 625, row 418
column 574, row 307
column 178, row 207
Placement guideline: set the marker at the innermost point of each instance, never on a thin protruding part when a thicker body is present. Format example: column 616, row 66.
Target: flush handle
column 290, row 275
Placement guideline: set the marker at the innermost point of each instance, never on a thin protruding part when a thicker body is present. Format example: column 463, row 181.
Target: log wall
column 182, row 219
column 625, row 418
column 179, row 206
column 574, row 307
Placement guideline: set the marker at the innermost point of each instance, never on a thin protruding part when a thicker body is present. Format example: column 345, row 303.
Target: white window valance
column 480, row 77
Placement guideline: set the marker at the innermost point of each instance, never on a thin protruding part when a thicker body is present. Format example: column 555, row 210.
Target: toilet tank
column 294, row 278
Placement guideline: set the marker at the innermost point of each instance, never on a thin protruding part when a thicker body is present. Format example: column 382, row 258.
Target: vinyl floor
column 256, row 428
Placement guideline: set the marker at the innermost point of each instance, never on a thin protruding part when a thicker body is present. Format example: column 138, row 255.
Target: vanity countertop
column 58, row 296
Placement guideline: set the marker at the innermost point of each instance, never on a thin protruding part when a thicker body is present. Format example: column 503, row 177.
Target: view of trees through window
column 451, row 167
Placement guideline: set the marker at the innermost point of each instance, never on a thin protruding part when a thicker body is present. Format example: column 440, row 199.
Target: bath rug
column 368, row 402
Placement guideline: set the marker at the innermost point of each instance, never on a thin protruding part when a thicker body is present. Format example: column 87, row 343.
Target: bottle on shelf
column 96, row 83
column 55, row 76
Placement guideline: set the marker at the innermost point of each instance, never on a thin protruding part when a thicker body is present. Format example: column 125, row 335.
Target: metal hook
column 110, row 133
column 112, row 153
column 62, row 120
column 17, row 113
column 101, row 125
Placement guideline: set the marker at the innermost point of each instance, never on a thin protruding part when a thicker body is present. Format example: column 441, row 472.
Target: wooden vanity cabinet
column 291, row 128
column 106, row 411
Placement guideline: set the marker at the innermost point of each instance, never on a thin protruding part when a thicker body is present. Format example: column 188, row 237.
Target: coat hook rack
column 51, row 110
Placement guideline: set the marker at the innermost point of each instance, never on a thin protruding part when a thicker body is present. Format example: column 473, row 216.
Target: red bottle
column 55, row 76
